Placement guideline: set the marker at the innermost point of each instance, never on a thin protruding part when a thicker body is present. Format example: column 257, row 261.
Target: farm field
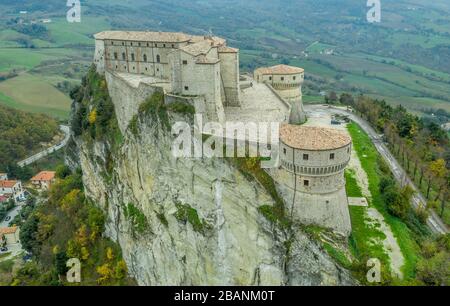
column 31, row 93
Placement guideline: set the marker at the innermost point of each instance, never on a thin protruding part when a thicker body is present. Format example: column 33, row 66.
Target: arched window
column 158, row 58
column 145, row 57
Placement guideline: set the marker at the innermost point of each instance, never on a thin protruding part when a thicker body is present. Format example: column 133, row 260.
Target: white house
column 13, row 189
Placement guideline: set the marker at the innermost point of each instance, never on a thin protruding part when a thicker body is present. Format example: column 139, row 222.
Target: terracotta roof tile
column 8, row 183
column 313, row 138
column 280, row 69
column 44, row 176
column 8, row 230
column 144, row 36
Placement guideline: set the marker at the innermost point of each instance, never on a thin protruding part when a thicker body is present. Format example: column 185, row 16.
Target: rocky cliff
column 186, row 221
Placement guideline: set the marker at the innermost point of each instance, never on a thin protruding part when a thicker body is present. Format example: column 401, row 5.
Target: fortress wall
column 315, row 158
column 127, row 98
column 99, row 56
column 329, row 210
column 229, row 64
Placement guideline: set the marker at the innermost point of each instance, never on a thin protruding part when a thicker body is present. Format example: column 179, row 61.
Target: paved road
column 434, row 222
column 12, row 213
column 66, row 130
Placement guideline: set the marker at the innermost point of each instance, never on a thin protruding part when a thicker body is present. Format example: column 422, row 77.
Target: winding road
column 434, row 222
column 66, row 130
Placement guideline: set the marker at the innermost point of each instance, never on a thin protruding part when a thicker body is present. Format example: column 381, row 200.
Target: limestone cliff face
column 194, row 221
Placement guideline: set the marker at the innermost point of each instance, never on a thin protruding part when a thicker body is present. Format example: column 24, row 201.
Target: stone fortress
column 204, row 72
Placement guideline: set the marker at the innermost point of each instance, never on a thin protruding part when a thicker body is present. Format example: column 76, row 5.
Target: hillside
column 404, row 59
column 21, row 134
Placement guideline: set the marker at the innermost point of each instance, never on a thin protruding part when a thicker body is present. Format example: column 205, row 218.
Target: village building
column 9, row 235
column 43, row 180
column 12, row 189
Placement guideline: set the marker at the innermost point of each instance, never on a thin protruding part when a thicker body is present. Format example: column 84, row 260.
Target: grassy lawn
column 364, row 238
column 29, row 92
column 369, row 160
column 65, row 33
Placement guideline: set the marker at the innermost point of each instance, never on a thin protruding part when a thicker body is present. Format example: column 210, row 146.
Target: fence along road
column 27, row 161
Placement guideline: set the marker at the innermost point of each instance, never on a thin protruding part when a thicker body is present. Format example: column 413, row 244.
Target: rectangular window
column 270, row 78
column 305, row 156
column 115, row 55
column 123, row 56
column 186, row 87
column 332, row 156
column 294, row 78
column 282, row 78
column 132, row 57
column 284, row 151
column 184, row 62
column 306, row 183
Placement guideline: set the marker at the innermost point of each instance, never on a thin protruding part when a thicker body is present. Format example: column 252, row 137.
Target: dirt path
column 375, row 218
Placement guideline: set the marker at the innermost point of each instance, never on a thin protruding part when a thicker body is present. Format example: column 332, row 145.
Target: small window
column 270, row 78
column 282, row 78
column 173, row 46
column 131, row 43
column 133, row 67
column 305, row 156
column 332, row 156
column 132, row 57
column 284, row 151
column 123, row 56
column 306, row 183
column 184, row 62
column 145, row 57
column 123, row 43
column 112, row 43
column 148, row 45
column 139, row 44
column 146, row 69
column 157, row 69
column 115, row 55
column 294, row 78
column 158, row 58
column 116, row 67
column 186, row 87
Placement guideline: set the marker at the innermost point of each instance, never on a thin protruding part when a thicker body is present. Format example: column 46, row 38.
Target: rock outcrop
column 186, row 221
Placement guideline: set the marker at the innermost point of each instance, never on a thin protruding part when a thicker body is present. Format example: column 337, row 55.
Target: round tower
column 287, row 81
column 312, row 164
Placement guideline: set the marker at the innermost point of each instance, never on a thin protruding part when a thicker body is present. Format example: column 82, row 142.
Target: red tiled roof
column 313, row 138
column 8, row 230
column 280, row 69
column 44, row 176
column 8, row 183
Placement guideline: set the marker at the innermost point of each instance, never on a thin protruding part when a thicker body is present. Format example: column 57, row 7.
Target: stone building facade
column 311, row 174
column 193, row 65
column 204, row 71
column 287, row 81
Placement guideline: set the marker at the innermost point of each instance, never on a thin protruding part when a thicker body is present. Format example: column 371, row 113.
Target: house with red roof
column 43, row 180
column 12, row 188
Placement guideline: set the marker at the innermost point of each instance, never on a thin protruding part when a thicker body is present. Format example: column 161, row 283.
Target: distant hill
column 21, row 134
